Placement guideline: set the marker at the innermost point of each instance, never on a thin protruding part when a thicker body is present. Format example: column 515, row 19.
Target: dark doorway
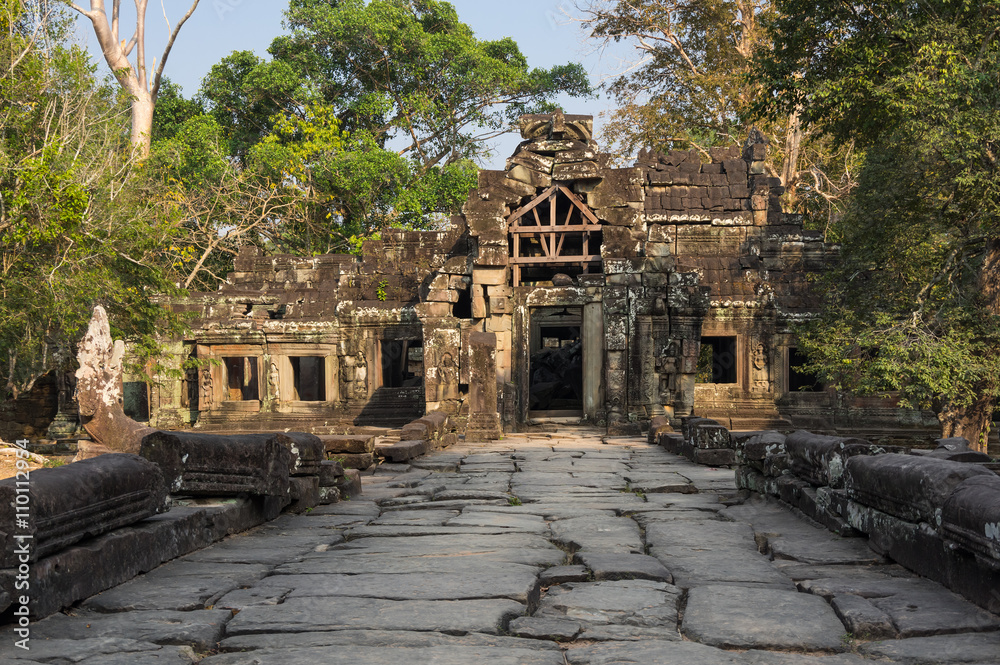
column 717, row 360
column 556, row 362
column 402, row 363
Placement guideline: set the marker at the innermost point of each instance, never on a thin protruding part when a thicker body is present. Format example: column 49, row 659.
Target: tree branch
column 166, row 50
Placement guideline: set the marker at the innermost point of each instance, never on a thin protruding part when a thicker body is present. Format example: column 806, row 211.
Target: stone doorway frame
column 588, row 300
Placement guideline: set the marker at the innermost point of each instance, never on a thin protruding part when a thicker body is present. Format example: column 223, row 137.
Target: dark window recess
column 135, row 398
column 402, row 363
column 799, row 380
column 717, row 360
column 309, row 377
column 463, row 308
column 242, row 384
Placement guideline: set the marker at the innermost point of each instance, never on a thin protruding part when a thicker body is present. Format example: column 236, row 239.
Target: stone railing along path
column 567, row 548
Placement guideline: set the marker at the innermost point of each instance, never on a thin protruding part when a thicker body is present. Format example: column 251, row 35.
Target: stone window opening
column 462, row 309
column 308, row 378
column 402, row 363
column 717, row 360
column 241, row 379
column 135, row 400
column 800, row 380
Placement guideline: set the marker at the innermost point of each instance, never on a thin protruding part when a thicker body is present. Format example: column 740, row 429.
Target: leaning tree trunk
column 973, row 421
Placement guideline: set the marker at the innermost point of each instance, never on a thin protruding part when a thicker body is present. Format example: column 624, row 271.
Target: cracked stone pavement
column 560, row 548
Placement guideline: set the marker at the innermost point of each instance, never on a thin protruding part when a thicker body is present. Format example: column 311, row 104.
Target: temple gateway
column 567, row 289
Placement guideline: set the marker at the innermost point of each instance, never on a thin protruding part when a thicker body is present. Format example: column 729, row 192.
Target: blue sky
column 218, row 27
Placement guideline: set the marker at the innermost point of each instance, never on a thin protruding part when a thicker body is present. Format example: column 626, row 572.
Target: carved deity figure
column 272, row 381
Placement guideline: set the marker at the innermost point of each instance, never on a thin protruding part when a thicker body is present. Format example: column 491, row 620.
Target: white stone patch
column 993, row 531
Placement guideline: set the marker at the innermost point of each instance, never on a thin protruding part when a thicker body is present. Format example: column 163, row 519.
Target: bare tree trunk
column 134, row 80
column 142, row 123
column 790, row 169
column 974, row 421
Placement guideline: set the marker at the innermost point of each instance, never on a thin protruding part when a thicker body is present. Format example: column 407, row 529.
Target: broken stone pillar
column 484, row 420
column 80, row 500
column 219, row 465
column 99, row 393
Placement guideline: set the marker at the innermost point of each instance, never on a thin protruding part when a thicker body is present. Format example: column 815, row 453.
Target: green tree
column 415, row 78
column 914, row 306
column 73, row 231
column 373, row 112
column 690, row 86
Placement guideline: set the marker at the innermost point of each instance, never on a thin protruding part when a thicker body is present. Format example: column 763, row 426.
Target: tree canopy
column 368, row 115
column 914, row 306
column 691, row 86
column 72, row 232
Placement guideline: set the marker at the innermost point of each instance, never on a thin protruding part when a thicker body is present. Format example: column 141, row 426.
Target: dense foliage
column 691, row 86
column 914, row 306
column 369, row 114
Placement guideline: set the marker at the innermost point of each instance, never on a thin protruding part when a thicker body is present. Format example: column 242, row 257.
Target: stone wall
column 614, row 295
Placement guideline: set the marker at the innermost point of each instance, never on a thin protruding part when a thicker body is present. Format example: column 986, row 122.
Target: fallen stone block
column 657, row 425
column 907, row 486
column 307, row 451
column 216, row 465
column 360, row 461
column 705, row 433
column 67, row 504
column 401, row 451
column 354, row 444
column 328, row 495
column 350, row 484
column 330, row 473
column 971, row 515
column 304, row 492
column 820, row 459
column 861, row 618
column 714, row 457
column 758, row 445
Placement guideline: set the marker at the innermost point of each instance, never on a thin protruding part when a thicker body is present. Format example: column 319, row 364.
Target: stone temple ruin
column 656, row 298
column 610, row 295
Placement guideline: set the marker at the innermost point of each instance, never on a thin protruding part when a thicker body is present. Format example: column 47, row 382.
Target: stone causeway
column 567, row 547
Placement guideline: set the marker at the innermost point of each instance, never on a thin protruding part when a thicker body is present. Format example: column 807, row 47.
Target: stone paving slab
column 632, row 602
column 200, row 629
column 400, row 530
column 938, row 650
column 709, row 551
column 381, row 638
column 362, row 655
column 619, row 566
column 179, row 585
column 755, row 657
column 95, row 650
column 599, row 534
column 519, row 585
column 743, row 618
column 338, row 562
column 916, row 606
column 330, row 613
column 650, row 651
